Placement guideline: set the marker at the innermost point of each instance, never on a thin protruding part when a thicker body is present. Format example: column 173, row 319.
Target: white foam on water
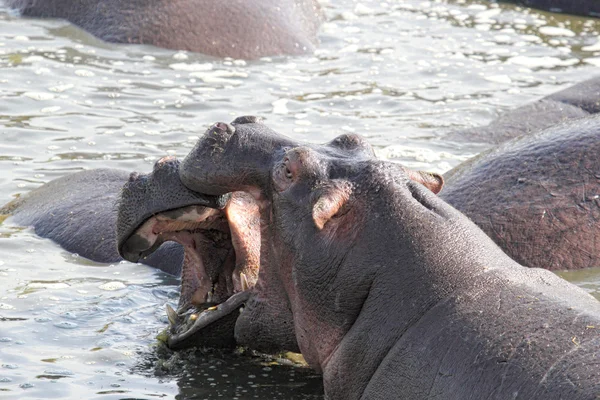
column 191, row 67
column 541, row 62
column 556, row 31
column 47, row 285
column 39, row 96
column 280, row 106
column 112, row 286
column 592, row 48
column 499, row 79
column 84, row 73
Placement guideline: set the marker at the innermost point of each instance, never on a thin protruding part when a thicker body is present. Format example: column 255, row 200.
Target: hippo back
column 234, row 28
column 538, row 196
column 78, row 212
column 578, row 101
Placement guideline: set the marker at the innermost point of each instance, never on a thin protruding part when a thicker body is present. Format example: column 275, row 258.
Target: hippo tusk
column 244, row 280
column 172, row 315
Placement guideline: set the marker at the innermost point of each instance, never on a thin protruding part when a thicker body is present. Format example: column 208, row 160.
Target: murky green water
column 402, row 73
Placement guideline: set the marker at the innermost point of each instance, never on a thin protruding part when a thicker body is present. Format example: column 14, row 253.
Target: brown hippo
column 234, row 28
column 537, row 196
column 390, row 292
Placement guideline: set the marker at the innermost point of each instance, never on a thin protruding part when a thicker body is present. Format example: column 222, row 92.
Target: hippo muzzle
column 155, row 208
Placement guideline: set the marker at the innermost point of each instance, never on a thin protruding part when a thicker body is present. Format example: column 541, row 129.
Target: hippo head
column 319, row 227
column 155, row 208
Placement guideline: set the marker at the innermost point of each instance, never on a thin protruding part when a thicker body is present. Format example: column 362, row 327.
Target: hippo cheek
column 266, row 323
column 233, row 157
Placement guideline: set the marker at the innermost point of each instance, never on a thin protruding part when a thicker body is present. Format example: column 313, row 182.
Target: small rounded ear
column 331, row 200
column 430, row 180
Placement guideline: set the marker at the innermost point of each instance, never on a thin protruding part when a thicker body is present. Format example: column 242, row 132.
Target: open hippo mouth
column 220, row 253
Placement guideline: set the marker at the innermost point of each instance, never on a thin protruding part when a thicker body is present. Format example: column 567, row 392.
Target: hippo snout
column 220, row 133
column 226, row 149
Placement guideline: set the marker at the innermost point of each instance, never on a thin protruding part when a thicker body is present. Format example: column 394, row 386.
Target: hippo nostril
column 247, row 119
column 221, row 128
column 133, row 176
column 165, row 163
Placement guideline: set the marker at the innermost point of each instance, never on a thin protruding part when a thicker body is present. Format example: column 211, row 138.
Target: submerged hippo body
column 431, row 309
column 577, row 101
column 233, row 28
column 576, row 7
column 538, row 196
column 79, row 212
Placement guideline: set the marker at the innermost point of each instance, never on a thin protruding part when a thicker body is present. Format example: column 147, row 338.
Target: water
column 401, row 73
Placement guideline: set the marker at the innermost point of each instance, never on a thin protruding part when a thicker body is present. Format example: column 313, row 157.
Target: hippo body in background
column 234, row 28
column 575, row 7
column 78, row 212
column 537, row 196
column 392, row 293
column 577, row 101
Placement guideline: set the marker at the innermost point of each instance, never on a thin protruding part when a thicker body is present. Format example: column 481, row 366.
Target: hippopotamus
column 537, row 196
column 576, row 7
column 221, row 250
column 79, row 212
column 577, row 101
column 389, row 291
column 247, row 29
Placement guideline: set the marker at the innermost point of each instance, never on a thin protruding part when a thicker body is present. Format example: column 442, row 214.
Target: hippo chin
column 387, row 289
column 246, row 29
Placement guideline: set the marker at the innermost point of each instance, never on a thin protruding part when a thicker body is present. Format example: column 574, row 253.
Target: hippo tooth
column 194, row 317
column 244, row 280
column 209, row 295
column 172, row 315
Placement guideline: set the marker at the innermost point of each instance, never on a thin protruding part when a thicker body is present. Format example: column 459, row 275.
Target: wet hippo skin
column 577, row 7
column 538, row 196
column 234, row 28
column 392, row 293
column 577, row 101
column 79, row 212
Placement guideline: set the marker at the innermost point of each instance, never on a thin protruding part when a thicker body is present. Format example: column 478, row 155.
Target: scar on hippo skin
column 247, row 29
column 413, row 306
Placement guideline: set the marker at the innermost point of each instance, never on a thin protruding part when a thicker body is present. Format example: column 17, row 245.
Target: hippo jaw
column 310, row 201
column 212, row 272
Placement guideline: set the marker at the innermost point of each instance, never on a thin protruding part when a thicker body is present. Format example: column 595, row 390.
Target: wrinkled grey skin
column 577, row 7
column 537, row 196
column 577, row 101
column 78, row 212
column 431, row 309
column 146, row 193
column 234, row 28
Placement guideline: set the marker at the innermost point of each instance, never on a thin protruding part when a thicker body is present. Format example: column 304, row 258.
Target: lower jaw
column 213, row 327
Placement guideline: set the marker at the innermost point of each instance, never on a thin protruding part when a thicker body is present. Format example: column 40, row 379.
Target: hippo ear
column 330, row 200
column 431, row 181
